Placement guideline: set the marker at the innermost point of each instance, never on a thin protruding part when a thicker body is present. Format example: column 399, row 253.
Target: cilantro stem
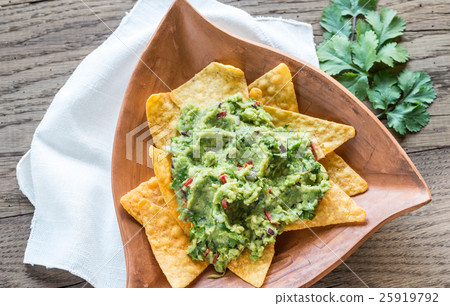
column 383, row 113
column 353, row 27
column 380, row 115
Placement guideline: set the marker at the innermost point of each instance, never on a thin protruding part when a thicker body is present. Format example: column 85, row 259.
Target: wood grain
column 42, row 42
column 13, row 273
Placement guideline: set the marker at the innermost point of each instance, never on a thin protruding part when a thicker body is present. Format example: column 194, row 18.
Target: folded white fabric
column 66, row 173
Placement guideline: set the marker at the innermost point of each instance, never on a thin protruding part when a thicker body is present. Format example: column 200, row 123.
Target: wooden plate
column 185, row 43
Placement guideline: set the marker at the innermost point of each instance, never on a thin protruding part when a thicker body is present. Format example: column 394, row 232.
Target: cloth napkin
column 66, row 173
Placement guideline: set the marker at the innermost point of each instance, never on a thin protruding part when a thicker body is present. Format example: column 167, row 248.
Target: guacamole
column 240, row 180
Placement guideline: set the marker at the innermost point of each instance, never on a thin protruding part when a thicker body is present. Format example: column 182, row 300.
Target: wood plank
column 411, row 251
column 13, row 273
column 38, row 53
column 12, row 201
column 42, row 42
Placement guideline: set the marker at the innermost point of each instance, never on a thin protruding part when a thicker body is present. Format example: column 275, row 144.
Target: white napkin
column 66, row 173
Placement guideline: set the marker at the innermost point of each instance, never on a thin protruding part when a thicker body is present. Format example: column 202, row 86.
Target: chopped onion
column 251, row 175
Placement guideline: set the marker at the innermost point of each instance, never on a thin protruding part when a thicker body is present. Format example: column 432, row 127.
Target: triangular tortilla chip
column 338, row 170
column 214, row 83
column 169, row 244
column 147, row 190
column 162, row 163
column 277, row 88
column 253, row 271
column 336, row 207
column 329, row 135
column 162, row 116
column 343, row 175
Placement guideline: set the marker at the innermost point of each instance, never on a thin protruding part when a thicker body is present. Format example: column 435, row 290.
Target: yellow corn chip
column 214, row 83
column 147, row 190
column 253, row 271
column 277, row 88
column 330, row 135
column 162, row 116
column 169, row 244
column 339, row 171
column 343, row 175
column 162, row 163
column 336, row 207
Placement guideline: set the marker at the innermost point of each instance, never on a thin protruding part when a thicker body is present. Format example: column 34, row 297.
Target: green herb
column 216, row 276
column 362, row 52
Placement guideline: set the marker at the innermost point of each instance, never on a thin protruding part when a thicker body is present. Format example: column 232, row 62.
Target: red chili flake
column 319, row 201
column 206, row 252
column 257, row 103
column 240, row 168
column 245, row 166
column 268, row 214
column 223, row 178
column 269, row 217
column 269, row 190
column 221, row 114
column 224, row 203
column 215, row 258
column 314, row 150
column 188, row 182
column 250, row 162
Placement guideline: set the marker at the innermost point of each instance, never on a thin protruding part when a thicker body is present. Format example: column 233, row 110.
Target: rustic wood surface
column 42, row 42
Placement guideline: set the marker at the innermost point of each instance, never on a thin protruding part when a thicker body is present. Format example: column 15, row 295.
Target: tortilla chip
column 253, row 271
column 317, row 150
column 339, row 171
column 214, row 83
column 277, row 88
column 330, row 135
column 336, row 207
column 169, row 244
column 147, row 190
column 162, row 116
column 162, row 163
column 343, row 175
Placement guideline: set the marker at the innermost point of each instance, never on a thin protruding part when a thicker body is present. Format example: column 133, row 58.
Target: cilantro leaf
column 408, row 117
column 386, row 24
column 357, row 83
column 362, row 27
column 384, row 91
column 335, row 55
column 402, row 98
column 355, row 7
column 391, row 52
column 364, row 50
column 335, row 23
column 417, row 87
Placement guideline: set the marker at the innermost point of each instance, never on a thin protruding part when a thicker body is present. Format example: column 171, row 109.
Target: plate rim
column 185, row 5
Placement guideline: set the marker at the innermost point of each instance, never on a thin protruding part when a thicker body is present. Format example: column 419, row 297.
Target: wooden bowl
column 185, row 43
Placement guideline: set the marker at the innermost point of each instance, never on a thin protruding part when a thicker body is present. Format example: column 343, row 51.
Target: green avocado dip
column 240, row 180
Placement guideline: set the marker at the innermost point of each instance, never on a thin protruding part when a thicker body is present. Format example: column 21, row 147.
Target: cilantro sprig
column 362, row 52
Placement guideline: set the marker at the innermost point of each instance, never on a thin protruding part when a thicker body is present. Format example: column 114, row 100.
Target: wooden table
column 42, row 42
